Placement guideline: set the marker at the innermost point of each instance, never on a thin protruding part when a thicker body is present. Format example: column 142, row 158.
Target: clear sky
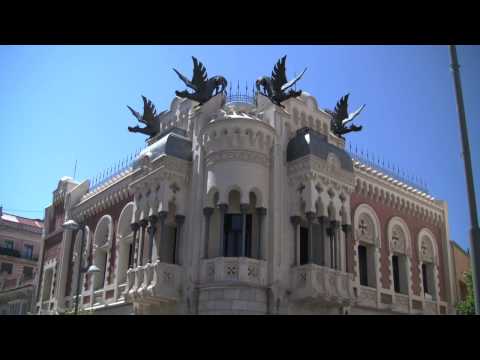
column 59, row 104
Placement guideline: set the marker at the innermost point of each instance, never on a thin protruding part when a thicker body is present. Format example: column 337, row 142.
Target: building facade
column 461, row 265
column 20, row 241
column 243, row 207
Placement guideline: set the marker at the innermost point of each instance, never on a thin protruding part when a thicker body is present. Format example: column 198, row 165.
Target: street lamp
column 474, row 230
column 73, row 225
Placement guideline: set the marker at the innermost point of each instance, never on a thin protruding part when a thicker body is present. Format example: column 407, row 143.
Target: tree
column 467, row 307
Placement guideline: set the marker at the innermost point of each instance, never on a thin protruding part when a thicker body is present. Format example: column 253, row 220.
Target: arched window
column 400, row 247
column 102, row 241
column 124, row 243
column 428, row 260
column 367, row 241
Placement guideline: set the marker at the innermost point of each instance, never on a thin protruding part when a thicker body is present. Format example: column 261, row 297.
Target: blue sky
column 59, row 104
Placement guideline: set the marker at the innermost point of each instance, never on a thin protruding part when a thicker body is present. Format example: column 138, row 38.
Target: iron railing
column 394, row 172
column 106, row 175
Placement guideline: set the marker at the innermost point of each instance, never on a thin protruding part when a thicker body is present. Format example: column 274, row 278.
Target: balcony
column 154, row 283
column 16, row 253
column 429, row 307
column 401, row 303
column 236, row 270
column 321, row 285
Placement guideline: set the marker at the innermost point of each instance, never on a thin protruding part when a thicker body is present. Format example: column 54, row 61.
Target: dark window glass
column 248, row 235
column 28, row 251
column 362, row 262
column 303, row 245
column 27, row 272
column 174, row 242
column 6, row 267
column 9, row 244
column 396, row 273
column 425, row 279
column 130, row 256
column 233, row 234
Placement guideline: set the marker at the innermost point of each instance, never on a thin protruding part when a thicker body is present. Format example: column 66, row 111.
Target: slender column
column 133, row 255
column 295, row 222
column 162, row 215
column 243, row 210
column 324, row 246
column 310, row 217
column 261, row 212
column 335, row 226
column 347, row 229
column 223, row 209
column 179, row 219
column 207, row 212
column 143, row 225
column 151, row 235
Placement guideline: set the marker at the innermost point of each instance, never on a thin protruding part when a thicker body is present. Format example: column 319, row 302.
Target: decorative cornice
column 310, row 167
column 237, row 155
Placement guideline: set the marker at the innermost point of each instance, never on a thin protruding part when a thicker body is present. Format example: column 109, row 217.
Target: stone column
column 295, row 220
column 151, row 235
column 261, row 212
column 143, row 223
column 324, row 245
column 133, row 255
column 223, row 209
column 243, row 210
column 310, row 217
column 179, row 219
column 347, row 230
column 334, row 225
column 162, row 215
column 207, row 212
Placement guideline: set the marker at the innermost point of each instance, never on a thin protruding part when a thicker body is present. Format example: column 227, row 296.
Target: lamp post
column 73, row 225
column 475, row 230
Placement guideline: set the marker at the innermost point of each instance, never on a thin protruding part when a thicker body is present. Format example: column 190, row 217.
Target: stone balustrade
column 234, row 270
column 429, row 307
column 401, row 303
column 154, row 282
column 318, row 284
column 367, row 297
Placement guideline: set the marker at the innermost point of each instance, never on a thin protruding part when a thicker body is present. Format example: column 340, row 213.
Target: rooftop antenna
column 75, row 170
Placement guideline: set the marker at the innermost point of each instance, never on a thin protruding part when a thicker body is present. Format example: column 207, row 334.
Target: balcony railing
column 151, row 283
column 318, row 284
column 17, row 254
column 234, row 270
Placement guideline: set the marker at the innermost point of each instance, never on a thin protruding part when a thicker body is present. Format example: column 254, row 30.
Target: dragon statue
column 203, row 87
column 276, row 86
column 341, row 117
column 150, row 118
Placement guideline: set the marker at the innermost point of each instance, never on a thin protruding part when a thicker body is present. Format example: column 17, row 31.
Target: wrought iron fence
column 108, row 174
column 238, row 96
column 394, row 172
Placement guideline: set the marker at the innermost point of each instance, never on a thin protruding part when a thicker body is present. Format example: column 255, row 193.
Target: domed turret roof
column 173, row 143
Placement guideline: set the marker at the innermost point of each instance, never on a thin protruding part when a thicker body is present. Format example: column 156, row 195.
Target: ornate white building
column 242, row 207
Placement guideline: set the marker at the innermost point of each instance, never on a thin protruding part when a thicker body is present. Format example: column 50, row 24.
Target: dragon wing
column 135, row 113
column 185, row 80
column 149, row 111
column 341, row 109
column 199, row 78
column 292, row 82
column 279, row 77
column 353, row 115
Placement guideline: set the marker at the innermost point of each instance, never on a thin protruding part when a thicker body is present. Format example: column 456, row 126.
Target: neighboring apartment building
column 20, row 240
column 461, row 264
column 242, row 207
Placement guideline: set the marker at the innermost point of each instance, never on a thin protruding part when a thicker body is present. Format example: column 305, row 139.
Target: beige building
column 243, row 207
column 19, row 248
column 461, row 265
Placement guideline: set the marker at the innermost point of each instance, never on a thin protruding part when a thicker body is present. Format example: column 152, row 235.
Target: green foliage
column 467, row 307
